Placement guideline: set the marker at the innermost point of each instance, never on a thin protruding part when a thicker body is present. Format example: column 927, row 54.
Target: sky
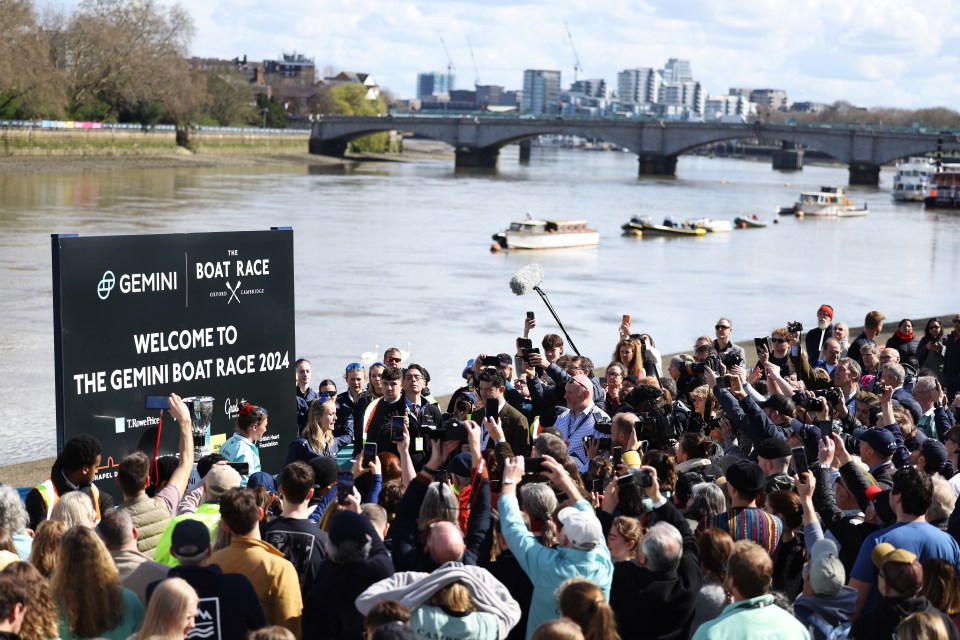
column 869, row 52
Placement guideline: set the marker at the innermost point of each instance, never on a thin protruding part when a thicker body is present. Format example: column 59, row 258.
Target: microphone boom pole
column 546, row 301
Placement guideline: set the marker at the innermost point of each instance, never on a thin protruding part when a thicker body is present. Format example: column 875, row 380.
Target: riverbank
column 32, row 473
column 67, row 161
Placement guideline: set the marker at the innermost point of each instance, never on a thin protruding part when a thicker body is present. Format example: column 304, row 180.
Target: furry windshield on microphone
column 526, row 279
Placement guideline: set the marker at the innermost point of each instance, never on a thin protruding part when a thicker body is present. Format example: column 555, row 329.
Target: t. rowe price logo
column 136, row 282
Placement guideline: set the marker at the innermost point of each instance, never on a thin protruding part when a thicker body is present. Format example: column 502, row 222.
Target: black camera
column 731, row 359
column 833, row 395
column 697, row 368
column 811, row 404
column 464, row 405
column 794, row 327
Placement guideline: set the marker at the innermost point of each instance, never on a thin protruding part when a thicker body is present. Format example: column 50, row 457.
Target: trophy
column 201, row 413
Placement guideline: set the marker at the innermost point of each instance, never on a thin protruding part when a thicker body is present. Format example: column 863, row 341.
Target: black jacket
column 508, row 571
column 228, row 608
column 854, row 351
column 880, row 622
column 329, row 612
column 408, row 551
column 659, row 602
column 851, row 532
column 812, row 342
column 300, row 542
column 907, row 349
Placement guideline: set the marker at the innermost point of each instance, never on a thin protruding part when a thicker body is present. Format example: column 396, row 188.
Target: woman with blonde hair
column 46, row 546
column 316, row 439
column 40, row 618
column 452, row 613
column 582, row 601
column 171, row 613
column 75, row 508
column 86, row 588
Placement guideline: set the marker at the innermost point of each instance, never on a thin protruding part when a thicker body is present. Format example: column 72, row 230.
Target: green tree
column 30, row 84
column 351, row 100
column 231, row 98
column 269, row 112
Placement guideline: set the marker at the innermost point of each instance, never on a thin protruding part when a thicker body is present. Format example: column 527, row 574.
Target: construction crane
column 476, row 72
column 576, row 59
column 450, row 67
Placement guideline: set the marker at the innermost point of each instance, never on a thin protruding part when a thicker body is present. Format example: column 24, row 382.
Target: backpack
column 820, row 628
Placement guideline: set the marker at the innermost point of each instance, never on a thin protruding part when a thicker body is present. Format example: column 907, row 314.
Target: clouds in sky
column 869, row 52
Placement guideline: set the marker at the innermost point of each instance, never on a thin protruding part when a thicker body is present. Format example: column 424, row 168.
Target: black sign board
column 206, row 314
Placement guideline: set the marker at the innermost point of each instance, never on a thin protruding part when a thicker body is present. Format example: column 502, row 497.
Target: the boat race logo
column 137, row 282
column 230, row 272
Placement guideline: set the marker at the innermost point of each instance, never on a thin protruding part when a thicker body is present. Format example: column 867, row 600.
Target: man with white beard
column 816, row 337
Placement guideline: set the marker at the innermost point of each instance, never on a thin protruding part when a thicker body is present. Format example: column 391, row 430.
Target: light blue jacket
column 753, row 619
column 547, row 568
column 239, row 449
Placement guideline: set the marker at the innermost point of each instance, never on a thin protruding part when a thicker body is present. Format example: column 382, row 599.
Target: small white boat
column 944, row 191
column 713, row 226
column 749, row 222
column 829, row 202
column 912, row 179
column 546, row 234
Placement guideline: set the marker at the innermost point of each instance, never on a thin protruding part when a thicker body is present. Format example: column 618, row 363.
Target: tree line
column 127, row 61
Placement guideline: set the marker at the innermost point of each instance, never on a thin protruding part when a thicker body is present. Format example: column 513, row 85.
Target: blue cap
column 468, row 368
column 461, row 465
column 879, row 439
column 262, row 479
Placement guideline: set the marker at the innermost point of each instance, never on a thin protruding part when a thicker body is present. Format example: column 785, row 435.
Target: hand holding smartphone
column 344, row 486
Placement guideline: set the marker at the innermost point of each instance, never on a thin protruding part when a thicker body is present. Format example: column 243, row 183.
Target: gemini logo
column 106, row 284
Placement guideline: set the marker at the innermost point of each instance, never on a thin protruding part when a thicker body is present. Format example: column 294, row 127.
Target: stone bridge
column 477, row 139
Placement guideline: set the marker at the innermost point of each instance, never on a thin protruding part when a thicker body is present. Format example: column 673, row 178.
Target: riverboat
column 647, row 228
column 547, row 234
column 944, row 190
column 829, row 202
column 749, row 222
column 912, row 179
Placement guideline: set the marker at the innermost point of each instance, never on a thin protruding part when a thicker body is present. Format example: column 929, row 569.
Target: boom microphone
column 527, row 279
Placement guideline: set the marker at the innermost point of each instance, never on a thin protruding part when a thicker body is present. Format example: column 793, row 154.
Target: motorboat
column 912, row 179
column 647, row 228
column 713, row 226
column 829, row 202
column 944, row 190
column 546, row 234
column 749, row 222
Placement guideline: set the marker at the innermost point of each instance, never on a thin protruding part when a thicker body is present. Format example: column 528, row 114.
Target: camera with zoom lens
column 794, row 327
column 833, row 395
column 731, row 359
column 697, row 368
column 811, row 404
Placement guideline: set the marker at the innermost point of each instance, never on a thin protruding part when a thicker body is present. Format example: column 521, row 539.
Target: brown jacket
column 273, row 577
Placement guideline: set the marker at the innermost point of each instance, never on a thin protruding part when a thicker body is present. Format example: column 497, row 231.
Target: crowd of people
column 809, row 493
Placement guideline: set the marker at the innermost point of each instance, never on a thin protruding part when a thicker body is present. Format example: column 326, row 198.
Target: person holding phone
column 513, row 424
column 242, row 445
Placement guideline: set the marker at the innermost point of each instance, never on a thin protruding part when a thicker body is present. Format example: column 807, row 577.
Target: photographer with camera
column 757, row 422
column 657, row 592
column 722, row 344
column 430, row 497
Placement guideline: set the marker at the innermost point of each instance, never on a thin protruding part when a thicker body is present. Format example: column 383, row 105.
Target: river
column 397, row 254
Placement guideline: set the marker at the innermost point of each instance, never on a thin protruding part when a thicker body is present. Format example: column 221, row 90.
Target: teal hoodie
column 753, row 619
column 547, row 568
